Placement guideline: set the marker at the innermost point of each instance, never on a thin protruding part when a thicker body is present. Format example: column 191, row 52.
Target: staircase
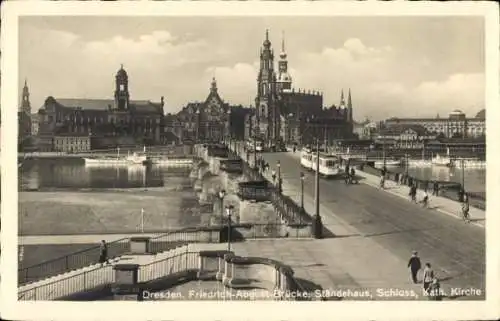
column 153, row 266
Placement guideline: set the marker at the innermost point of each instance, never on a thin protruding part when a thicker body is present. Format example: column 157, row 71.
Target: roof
column 399, row 129
column 481, row 114
column 104, row 104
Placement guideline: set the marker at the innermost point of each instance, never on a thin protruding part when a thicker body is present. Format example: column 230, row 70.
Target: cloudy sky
column 395, row 66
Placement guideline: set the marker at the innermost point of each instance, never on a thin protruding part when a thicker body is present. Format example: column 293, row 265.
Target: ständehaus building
column 283, row 114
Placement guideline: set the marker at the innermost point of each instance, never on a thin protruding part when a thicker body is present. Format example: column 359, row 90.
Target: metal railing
column 181, row 260
column 84, row 281
column 69, row 262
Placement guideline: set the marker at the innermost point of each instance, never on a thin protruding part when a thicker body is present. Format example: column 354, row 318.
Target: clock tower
column 121, row 90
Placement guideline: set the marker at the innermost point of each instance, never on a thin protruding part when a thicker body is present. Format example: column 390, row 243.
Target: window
column 122, row 87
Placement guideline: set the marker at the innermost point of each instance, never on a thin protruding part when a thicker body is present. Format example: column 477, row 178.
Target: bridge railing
column 84, row 281
column 69, row 262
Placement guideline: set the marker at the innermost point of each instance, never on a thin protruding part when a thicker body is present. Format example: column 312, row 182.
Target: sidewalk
column 438, row 203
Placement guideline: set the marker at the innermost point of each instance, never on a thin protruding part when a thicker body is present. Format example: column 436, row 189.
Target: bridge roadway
column 455, row 250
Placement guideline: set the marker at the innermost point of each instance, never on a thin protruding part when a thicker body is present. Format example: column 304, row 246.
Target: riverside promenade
column 385, row 227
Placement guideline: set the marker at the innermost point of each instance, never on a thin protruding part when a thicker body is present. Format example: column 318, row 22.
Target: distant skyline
column 394, row 66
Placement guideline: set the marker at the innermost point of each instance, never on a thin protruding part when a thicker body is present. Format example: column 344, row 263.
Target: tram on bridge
column 329, row 165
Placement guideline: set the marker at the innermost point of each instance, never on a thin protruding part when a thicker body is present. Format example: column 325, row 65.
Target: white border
column 11, row 309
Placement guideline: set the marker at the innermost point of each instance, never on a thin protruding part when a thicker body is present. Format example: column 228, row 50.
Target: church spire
column 349, row 101
column 25, row 99
column 213, row 87
column 342, row 101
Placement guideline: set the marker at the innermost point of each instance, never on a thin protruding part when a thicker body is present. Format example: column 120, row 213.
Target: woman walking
column 428, row 277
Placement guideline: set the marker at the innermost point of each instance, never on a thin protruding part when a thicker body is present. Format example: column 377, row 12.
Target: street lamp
column 317, row 224
column 221, row 195
column 302, row 178
column 278, row 164
column 229, row 213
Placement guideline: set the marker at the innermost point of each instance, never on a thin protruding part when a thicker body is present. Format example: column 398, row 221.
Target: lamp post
column 462, row 163
column 221, row 195
column 278, row 164
column 302, row 177
column 229, row 212
column 317, row 225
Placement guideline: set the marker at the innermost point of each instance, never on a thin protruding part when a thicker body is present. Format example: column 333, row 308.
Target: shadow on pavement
column 314, row 289
column 403, row 231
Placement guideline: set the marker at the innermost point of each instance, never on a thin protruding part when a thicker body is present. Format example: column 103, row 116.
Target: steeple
column 213, row 87
column 25, row 99
column 342, row 101
column 284, row 80
column 349, row 107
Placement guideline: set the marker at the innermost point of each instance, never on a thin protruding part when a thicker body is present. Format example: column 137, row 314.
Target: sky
column 394, row 66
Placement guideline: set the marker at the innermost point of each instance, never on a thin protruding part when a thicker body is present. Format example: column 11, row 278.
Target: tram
column 306, row 159
column 329, row 165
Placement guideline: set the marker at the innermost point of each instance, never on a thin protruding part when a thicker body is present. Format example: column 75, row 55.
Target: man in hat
column 414, row 264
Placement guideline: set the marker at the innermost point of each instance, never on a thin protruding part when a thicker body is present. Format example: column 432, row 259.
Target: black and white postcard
column 174, row 155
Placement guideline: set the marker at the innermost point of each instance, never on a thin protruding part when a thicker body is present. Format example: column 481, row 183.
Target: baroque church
column 285, row 115
column 109, row 122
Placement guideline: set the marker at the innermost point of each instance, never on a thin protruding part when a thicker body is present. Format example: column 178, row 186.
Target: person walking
column 415, row 265
column 103, row 253
column 396, row 178
column 273, row 175
column 413, row 193
column 435, row 188
column 382, row 181
column 425, row 199
column 465, row 208
column 428, row 276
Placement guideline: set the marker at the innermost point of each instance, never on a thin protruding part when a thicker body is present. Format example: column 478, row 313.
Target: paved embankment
column 385, row 229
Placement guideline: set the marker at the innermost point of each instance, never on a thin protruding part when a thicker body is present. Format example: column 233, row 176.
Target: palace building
column 207, row 121
column 286, row 115
column 108, row 122
column 457, row 125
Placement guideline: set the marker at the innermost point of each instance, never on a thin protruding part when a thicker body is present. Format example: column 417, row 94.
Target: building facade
column 457, row 125
column 285, row 115
column 72, row 143
column 207, row 121
column 110, row 122
column 405, row 137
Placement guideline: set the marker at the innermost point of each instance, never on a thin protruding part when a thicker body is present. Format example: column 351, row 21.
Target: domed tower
column 284, row 81
column 121, row 90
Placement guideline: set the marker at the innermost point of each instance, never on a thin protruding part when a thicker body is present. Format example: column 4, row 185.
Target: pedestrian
column 273, row 175
column 382, row 181
column 415, row 265
column 413, row 193
column 435, row 188
column 434, row 290
column 294, row 149
column 396, row 178
column 428, row 276
column 425, row 199
column 103, row 253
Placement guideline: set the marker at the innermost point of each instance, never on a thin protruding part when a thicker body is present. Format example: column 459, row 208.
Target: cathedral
column 284, row 115
column 108, row 122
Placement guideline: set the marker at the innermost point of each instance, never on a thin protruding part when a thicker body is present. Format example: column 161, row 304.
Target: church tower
column 25, row 103
column 284, row 80
column 349, row 107
column 266, row 112
column 121, row 90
